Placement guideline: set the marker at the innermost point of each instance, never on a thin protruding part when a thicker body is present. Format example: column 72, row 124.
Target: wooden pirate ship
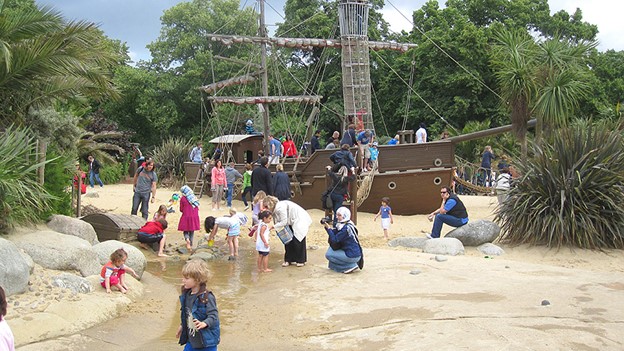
column 410, row 174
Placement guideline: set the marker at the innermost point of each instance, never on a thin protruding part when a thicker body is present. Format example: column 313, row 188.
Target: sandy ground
column 402, row 300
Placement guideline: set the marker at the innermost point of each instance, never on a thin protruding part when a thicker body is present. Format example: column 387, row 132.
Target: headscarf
column 190, row 196
column 346, row 217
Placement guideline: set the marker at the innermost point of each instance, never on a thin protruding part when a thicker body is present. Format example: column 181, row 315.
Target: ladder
column 200, row 181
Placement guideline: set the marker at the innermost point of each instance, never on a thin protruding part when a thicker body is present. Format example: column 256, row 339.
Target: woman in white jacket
column 288, row 213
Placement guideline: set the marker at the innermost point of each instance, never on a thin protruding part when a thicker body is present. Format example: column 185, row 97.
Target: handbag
column 285, row 235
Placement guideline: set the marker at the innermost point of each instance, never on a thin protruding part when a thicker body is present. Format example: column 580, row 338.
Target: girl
column 161, row 213
column 262, row 241
column 246, row 185
column 7, row 341
column 199, row 328
column 189, row 221
column 114, row 270
column 257, row 206
column 233, row 233
column 218, row 184
column 385, row 211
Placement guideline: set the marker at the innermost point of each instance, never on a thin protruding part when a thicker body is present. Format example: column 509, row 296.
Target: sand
column 402, row 300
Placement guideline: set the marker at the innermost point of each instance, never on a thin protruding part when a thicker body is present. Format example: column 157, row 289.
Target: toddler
column 262, row 240
column 386, row 216
column 200, row 328
column 113, row 272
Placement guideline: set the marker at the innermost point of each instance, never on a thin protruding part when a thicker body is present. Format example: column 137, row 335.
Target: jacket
column 231, row 175
column 152, row 227
column 281, row 186
column 205, row 312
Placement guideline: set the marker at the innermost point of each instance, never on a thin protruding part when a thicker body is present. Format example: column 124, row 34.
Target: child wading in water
column 161, row 213
column 262, row 240
column 386, row 216
column 113, row 272
column 199, row 328
column 189, row 221
column 233, row 233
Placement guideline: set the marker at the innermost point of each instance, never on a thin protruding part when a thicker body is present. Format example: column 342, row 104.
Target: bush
column 570, row 193
column 170, row 157
column 114, row 173
column 58, row 181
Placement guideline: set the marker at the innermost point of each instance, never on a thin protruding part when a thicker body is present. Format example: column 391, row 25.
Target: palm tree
column 542, row 78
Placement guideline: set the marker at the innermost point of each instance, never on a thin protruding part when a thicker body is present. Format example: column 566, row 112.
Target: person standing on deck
column 315, row 144
column 421, row 134
column 275, row 150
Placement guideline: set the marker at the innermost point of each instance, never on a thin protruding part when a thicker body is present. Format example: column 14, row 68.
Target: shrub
column 58, row 181
column 170, row 157
column 114, row 173
column 570, row 193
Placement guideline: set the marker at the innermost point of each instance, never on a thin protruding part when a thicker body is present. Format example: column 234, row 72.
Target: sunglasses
column 443, row 192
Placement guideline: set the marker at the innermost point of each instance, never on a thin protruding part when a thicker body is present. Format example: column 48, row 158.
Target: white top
column 421, row 136
column 503, row 181
column 259, row 244
column 289, row 213
column 7, row 342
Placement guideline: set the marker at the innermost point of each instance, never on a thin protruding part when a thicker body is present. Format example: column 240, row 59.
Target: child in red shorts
column 113, row 271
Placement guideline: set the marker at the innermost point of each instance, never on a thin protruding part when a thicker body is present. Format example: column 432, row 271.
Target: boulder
column 29, row 261
column 136, row 259
column 72, row 282
column 490, row 249
column 202, row 255
column 444, row 246
column 14, row 269
column 475, row 233
column 414, row 242
column 58, row 251
column 73, row 226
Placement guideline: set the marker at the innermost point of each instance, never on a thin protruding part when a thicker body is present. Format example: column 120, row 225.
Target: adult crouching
column 288, row 213
column 344, row 253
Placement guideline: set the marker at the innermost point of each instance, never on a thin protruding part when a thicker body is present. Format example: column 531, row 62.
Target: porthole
column 437, row 162
column 437, row 180
column 392, row 185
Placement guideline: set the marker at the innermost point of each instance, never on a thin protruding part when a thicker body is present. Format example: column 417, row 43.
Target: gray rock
column 72, row 282
column 29, row 261
column 441, row 258
column 182, row 250
column 14, row 269
column 73, row 226
column 414, row 242
column 545, row 303
column 415, row 272
column 58, row 251
column 92, row 194
column 490, row 249
column 202, row 255
column 476, row 233
column 136, row 259
column 444, row 246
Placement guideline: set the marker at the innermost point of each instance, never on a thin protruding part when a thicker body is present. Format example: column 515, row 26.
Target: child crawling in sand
column 113, row 272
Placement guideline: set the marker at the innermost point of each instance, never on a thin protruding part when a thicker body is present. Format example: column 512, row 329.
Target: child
column 153, row 232
column 374, row 155
column 199, row 328
column 161, row 213
column 114, row 270
column 233, row 233
column 262, row 240
column 386, row 216
column 189, row 221
column 257, row 206
column 7, row 341
column 246, row 185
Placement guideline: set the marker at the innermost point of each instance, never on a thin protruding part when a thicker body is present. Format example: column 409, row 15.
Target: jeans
column 143, row 200
column 337, row 200
column 246, row 191
column 338, row 260
column 97, row 177
column 441, row 219
column 229, row 194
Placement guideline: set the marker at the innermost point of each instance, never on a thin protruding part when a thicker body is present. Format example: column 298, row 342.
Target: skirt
column 295, row 251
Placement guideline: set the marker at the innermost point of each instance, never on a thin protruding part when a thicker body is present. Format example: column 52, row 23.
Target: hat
column 375, row 143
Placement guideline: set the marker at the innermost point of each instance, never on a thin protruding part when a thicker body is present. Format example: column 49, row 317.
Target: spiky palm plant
column 170, row 157
column 570, row 193
column 22, row 198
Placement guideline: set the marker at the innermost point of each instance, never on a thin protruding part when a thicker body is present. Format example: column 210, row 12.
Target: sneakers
column 300, row 264
column 285, row 264
column 246, row 208
column 429, row 236
column 350, row 270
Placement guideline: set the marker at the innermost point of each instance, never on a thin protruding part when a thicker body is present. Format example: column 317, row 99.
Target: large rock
column 72, row 282
column 59, row 251
column 413, row 242
column 14, row 269
column 475, row 233
column 136, row 259
column 73, row 226
column 444, row 246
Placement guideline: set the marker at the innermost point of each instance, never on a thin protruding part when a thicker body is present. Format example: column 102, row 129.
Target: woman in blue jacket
column 344, row 253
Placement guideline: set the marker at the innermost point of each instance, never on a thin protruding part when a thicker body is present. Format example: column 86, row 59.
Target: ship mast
column 264, row 108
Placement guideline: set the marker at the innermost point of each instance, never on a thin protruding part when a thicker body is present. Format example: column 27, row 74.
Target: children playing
column 199, row 328
column 233, row 233
column 386, row 216
column 212, row 224
column 153, row 232
column 189, row 221
column 161, row 213
column 262, row 240
column 113, row 272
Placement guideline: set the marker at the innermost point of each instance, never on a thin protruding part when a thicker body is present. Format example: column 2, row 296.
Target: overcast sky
column 137, row 22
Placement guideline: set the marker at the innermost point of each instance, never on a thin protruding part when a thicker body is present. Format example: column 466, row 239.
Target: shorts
column 114, row 279
column 385, row 223
column 275, row 160
column 149, row 238
column 234, row 234
column 365, row 151
column 263, row 253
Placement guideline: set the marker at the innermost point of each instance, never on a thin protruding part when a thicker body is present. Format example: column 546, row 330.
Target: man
column 349, row 136
column 421, row 134
column 275, row 150
column 394, row 141
column 364, row 138
column 196, row 154
column 144, row 186
column 335, row 136
column 315, row 144
column 231, row 174
column 94, row 171
column 261, row 178
column 451, row 212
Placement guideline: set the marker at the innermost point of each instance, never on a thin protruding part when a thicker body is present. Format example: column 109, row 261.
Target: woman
column 344, row 252
column 281, row 184
column 290, row 149
column 217, row 184
column 288, row 213
column 340, row 185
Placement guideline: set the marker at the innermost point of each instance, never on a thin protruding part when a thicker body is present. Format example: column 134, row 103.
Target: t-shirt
column 145, row 179
column 374, row 153
column 275, row 144
column 363, row 139
column 109, row 270
column 421, row 136
column 7, row 341
column 259, row 244
column 385, row 211
column 196, row 154
column 393, row 141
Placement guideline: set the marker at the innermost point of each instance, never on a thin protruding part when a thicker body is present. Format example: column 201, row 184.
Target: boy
column 386, row 216
column 153, row 232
